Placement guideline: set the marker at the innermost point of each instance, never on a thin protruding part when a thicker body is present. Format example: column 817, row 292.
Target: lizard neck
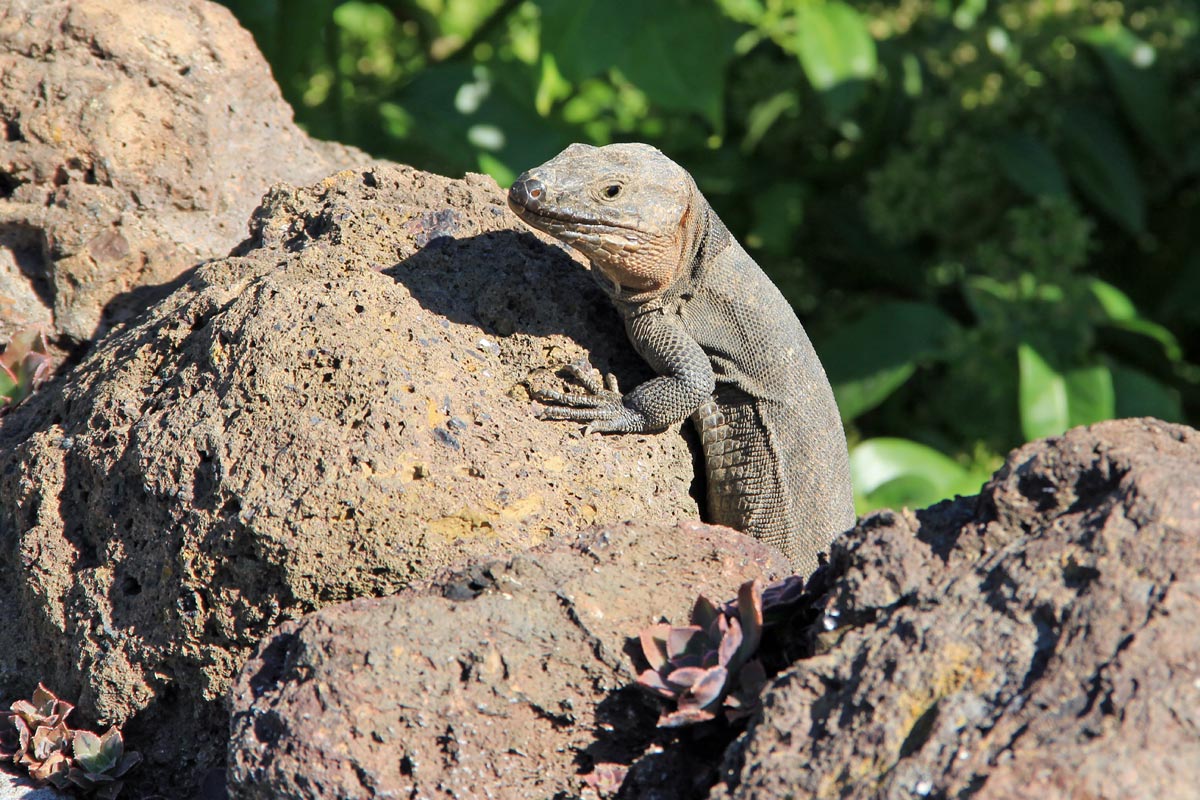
column 704, row 237
column 711, row 239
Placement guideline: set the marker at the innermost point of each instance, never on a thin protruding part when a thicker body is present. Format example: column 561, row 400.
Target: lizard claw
column 601, row 392
column 592, row 379
column 601, row 404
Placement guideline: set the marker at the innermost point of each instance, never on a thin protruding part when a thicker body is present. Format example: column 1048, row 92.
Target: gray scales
column 726, row 345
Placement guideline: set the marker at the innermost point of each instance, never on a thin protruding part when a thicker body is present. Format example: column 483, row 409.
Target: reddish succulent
column 24, row 364
column 53, row 753
column 705, row 667
column 606, row 778
column 708, row 667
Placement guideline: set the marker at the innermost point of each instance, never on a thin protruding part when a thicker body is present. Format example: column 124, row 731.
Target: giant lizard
column 727, row 346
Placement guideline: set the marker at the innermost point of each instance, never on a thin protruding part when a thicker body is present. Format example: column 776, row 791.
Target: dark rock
column 333, row 413
column 514, row 687
column 136, row 136
column 1038, row 640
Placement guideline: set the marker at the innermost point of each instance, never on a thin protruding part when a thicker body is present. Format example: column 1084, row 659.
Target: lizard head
column 627, row 207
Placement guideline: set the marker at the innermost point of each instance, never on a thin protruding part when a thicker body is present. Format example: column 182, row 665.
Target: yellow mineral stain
column 466, row 522
column 525, row 507
column 587, row 513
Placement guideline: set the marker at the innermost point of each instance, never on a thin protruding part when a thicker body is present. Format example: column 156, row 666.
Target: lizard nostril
column 527, row 192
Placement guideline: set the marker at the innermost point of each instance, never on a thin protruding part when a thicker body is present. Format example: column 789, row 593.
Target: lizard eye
column 612, row 191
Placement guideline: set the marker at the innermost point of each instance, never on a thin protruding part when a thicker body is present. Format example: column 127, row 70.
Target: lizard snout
column 527, row 192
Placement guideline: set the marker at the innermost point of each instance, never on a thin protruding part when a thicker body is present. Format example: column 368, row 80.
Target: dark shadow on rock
column 47, row 408
column 124, row 307
column 942, row 524
column 505, row 282
column 29, row 249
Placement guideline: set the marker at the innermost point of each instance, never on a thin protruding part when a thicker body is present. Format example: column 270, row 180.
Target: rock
column 505, row 680
column 1038, row 640
column 136, row 136
column 335, row 412
column 14, row 786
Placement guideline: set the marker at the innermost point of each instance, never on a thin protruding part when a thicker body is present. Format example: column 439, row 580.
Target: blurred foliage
column 984, row 211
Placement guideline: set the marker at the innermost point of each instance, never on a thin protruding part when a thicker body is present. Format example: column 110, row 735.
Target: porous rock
column 14, row 786
column 136, row 136
column 506, row 680
column 1038, row 640
column 335, row 412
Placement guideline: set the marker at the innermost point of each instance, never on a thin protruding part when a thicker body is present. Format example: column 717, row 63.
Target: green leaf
column 673, row 50
column 1030, row 165
column 8, row 386
column 870, row 357
column 857, row 397
column 112, row 744
column 1131, row 66
column 1101, row 166
column 460, row 117
column 1051, row 401
column 585, row 37
column 836, row 51
column 1043, row 396
column 764, row 114
column 833, row 44
column 1120, row 312
column 1090, row 396
column 1160, row 334
column 679, row 57
column 1139, row 395
column 900, row 472
column 89, row 752
column 1115, row 304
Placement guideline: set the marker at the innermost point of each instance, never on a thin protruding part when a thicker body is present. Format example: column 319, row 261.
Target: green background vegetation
column 984, row 212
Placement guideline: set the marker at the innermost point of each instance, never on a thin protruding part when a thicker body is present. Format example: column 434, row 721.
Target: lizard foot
column 601, row 406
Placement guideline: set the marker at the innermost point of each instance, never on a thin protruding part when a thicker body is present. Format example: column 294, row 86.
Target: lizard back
column 775, row 451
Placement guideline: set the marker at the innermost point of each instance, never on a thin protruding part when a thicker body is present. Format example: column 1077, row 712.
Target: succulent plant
column 708, row 667
column 69, row 759
column 606, row 778
column 24, row 364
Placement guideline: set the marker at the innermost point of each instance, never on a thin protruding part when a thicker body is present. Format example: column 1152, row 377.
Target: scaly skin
column 726, row 345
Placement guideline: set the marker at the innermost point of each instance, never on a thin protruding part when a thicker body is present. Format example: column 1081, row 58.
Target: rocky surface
column 136, row 136
column 509, row 679
column 1038, row 640
column 1034, row 641
column 14, row 786
column 336, row 412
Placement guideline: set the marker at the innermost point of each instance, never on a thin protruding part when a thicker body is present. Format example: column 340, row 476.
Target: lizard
column 727, row 347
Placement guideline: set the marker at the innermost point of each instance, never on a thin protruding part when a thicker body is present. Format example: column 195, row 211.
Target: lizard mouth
column 578, row 230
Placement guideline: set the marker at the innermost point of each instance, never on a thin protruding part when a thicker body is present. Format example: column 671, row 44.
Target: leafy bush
column 983, row 211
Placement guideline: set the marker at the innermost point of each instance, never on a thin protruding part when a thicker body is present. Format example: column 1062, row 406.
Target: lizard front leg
column 685, row 382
